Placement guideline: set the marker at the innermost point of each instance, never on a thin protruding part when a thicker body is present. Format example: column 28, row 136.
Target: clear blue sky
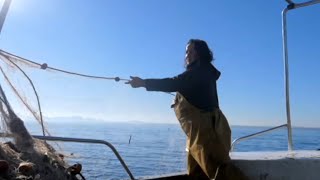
column 147, row 38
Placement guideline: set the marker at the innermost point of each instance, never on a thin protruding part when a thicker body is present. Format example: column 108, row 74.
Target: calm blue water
column 155, row 148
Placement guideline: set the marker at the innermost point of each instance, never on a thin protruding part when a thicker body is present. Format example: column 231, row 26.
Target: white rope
column 215, row 176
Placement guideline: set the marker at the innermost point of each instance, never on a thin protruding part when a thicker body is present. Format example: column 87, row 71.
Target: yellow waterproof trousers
column 208, row 142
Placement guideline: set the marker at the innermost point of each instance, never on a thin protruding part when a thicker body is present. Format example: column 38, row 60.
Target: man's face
column 191, row 54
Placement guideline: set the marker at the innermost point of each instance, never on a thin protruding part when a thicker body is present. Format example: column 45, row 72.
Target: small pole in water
column 130, row 139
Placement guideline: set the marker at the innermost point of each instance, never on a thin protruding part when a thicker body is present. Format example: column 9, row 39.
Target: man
column 197, row 108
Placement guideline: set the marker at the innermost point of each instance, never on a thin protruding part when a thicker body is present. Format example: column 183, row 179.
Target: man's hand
column 136, row 82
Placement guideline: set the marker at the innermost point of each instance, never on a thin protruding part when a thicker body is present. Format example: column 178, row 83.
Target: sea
column 154, row 149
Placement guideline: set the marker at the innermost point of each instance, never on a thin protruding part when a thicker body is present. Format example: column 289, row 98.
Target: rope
column 216, row 174
column 45, row 66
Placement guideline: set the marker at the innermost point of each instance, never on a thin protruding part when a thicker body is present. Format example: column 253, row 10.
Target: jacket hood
column 213, row 70
column 216, row 73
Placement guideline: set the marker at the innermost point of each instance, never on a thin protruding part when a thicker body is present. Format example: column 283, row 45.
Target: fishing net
column 13, row 64
column 25, row 157
column 80, row 103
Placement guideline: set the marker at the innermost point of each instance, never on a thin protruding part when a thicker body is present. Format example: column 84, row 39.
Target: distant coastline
column 83, row 120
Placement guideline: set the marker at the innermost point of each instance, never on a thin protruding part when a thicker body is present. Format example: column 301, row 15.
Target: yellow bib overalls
column 208, row 141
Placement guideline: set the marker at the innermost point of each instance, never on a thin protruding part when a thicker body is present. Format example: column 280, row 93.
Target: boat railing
column 80, row 140
column 291, row 6
column 236, row 141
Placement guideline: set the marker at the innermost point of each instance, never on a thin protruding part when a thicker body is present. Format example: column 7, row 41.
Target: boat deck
column 279, row 165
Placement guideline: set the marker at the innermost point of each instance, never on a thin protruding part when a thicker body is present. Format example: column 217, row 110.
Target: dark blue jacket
column 197, row 84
